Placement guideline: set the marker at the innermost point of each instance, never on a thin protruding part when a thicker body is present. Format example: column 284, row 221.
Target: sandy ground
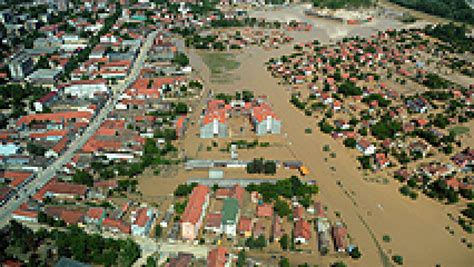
column 371, row 210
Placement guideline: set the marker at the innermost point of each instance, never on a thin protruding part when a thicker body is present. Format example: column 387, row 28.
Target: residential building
column 213, row 223
column 245, row 226
column 264, row 120
column 302, row 232
column 218, row 257
column 364, row 146
column 265, row 210
column 95, row 215
column 182, row 260
column 194, row 212
column 86, row 88
column 141, row 224
column 339, row 235
column 20, row 66
column 230, row 214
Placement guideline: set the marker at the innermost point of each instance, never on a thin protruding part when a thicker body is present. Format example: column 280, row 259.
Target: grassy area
column 220, row 64
column 459, row 130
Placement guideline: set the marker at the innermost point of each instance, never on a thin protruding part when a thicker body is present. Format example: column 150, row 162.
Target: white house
column 142, row 222
column 86, row 88
column 365, row 147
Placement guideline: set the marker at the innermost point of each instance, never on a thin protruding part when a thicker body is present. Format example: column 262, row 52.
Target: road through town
column 47, row 174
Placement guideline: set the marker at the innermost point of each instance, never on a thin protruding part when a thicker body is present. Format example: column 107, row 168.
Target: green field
column 220, row 65
column 459, row 130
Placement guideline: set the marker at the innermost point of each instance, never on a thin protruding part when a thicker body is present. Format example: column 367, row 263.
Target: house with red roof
column 245, row 226
column 213, row 223
column 25, row 215
column 95, row 215
column 381, row 161
column 364, row 146
column 72, row 217
column 142, row 222
column 16, row 179
column 265, row 210
column 218, row 257
column 58, row 117
column 61, row 190
column 265, row 120
column 180, row 126
column 192, row 218
column 214, row 124
column 339, row 233
column 302, row 231
column 298, row 212
column 277, row 230
column 116, row 226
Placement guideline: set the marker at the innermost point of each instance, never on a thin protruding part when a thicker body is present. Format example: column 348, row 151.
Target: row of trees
column 261, row 166
column 286, row 188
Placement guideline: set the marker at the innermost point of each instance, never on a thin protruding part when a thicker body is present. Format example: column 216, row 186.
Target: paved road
column 44, row 176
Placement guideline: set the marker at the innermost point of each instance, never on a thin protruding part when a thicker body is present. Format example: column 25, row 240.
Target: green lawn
column 459, row 130
column 220, row 65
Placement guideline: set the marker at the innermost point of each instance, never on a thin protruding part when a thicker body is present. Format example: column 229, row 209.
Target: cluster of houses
column 216, row 118
column 235, row 214
column 360, row 86
column 246, row 37
column 74, row 98
column 50, row 200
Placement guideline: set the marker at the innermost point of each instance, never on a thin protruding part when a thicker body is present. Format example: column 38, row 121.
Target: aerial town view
column 227, row 133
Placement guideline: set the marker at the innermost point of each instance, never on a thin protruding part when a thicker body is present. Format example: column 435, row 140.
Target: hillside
column 457, row 10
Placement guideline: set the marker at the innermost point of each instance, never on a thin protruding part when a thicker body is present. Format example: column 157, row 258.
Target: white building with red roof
column 194, row 213
column 265, row 120
column 142, row 222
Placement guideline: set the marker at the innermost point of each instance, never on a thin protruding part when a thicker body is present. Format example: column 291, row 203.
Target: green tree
column 350, row 142
column 284, row 262
column 241, row 258
column 83, row 177
column 355, row 253
column 282, row 208
column 338, row 264
column 397, row 259
column 181, row 59
column 284, row 242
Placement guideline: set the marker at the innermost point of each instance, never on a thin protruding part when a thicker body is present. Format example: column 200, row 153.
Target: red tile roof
column 194, row 207
column 117, row 224
column 245, row 224
column 56, row 187
column 95, row 213
column 106, row 184
column 16, row 177
column 217, row 257
column 49, row 133
column 61, row 145
column 213, row 220
column 302, row 229
column 55, row 117
column 142, row 217
column 265, row 210
column 25, row 213
column 72, row 216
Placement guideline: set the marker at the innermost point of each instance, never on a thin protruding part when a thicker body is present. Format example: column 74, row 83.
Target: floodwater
column 370, row 210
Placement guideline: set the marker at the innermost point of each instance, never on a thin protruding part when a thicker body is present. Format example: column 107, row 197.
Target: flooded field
column 370, row 210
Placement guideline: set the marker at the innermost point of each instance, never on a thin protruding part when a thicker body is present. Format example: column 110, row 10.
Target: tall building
column 20, row 66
